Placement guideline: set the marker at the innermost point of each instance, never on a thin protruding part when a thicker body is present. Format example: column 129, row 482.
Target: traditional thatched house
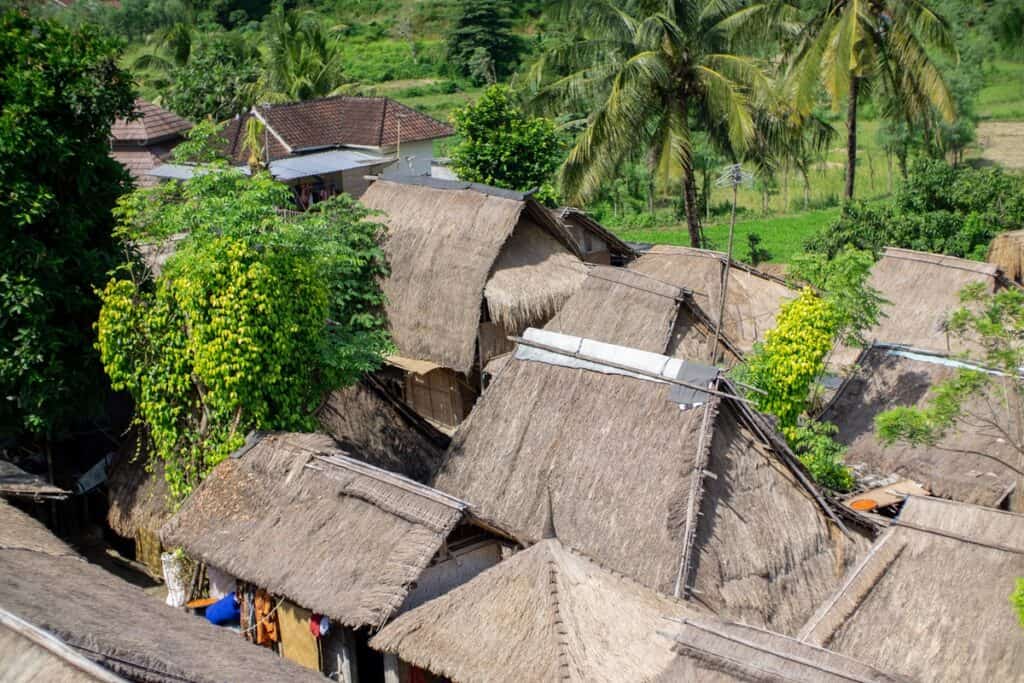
column 292, row 514
column 974, row 463
column 146, row 141
column 470, row 264
column 699, row 500
column 752, row 297
column 549, row 613
column 110, row 621
column 138, row 502
column 930, row 599
column 1007, row 254
column 627, row 308
column 922, row 290
column 597, row 243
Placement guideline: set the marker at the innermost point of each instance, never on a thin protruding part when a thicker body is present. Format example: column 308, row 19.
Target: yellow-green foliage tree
column 251, row 321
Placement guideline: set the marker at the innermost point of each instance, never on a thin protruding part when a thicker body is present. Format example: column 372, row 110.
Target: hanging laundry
column 266, row 618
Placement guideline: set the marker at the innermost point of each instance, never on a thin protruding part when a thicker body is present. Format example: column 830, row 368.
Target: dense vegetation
column 60, row 91
column 251, row 321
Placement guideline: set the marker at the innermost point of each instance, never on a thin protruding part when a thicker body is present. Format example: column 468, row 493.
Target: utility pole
column 733, row 176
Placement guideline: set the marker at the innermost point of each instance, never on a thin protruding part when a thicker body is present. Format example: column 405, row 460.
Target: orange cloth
column 266, row 618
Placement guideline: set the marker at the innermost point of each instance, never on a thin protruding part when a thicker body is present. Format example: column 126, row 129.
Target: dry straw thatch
column 1007, row 254
column 334, row 538
column 17, row 483
column 443, row 243
column 374, row 427
column 753, row 297
column 544, row 614
column 713, row 651
column 616, row 459
column 628, row 308
column 578, row 223
column 114, row 623
column 30, row 654
column 974, row 463
column 930, row 599
column 922, row 290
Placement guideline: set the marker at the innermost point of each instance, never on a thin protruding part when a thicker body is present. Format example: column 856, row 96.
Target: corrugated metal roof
column 322, row 163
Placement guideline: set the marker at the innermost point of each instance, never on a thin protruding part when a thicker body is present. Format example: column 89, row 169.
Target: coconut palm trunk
column 690, row 204
column 851, row 137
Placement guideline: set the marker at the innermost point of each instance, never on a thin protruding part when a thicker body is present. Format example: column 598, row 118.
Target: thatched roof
column 974, row 463
column 17, row 483
column 579, row 222
column 544, row 614
column 114, row 623
column 922, row 290
column 373, row 426
column 1007, row 254
column 628, row 308
column 930, row 599
column 31, row 654
column 295, row 515
column 753, row 298
column 646, row 487
column 445, row 241
column 137, row 493
column 713, row 651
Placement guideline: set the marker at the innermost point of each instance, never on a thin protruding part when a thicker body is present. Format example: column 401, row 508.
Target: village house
column 922, row 290
column 689, row 492
column 597, row 243
column 550, row 613
column 145, row 142
column 305, row 530
column 470, row 265
column 52, row 600
column 752, row 297
column 974, row 462
column 930, row 599
column 330, row 145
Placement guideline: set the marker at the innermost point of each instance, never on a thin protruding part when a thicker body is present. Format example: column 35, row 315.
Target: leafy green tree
column 482, row 30
column 853, row 44
column 217, row 81
column 251, row 321
column 938, row 208
column 646, row 71
column 501, row 145
column 60, row 91
column 303, row 60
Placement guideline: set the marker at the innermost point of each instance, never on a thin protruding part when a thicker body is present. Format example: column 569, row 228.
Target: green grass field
column 1002, row 98
column 782, row 236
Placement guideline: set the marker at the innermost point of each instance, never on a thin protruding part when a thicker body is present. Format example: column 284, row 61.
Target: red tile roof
column 154, row 125
column 336, row 121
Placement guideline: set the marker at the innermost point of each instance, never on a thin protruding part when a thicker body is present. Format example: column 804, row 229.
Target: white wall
column 416, row 157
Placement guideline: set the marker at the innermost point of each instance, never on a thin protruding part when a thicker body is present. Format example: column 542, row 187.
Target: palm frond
column 725, row 100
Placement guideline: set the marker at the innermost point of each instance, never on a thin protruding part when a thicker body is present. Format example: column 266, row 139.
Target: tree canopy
column 251, row 321
column 502, row 146
column 60, row 91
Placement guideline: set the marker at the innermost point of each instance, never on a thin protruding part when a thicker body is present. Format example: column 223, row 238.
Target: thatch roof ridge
column 116, row 624
column 366, row 533
column 16, row 482
column 31, row 654
column 972, row 463
column 614, row 242
column 943, row 260
column 944, row 564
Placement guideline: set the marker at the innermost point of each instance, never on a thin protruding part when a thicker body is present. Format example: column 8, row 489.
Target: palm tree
column 303, row 61
column 647, row 68
column 851, row 45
